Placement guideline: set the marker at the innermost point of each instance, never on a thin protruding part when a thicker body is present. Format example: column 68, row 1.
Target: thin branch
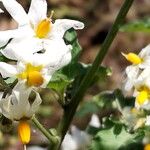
column 71, row 108
column 52, row 139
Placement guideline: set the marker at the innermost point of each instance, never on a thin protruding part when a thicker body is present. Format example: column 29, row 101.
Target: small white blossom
column 142, row 90
column 1, row 11
column 94, row 122
column 76, row 140
column 139, row 62
column 35, row 29
column 17, row 105
column 133, row 118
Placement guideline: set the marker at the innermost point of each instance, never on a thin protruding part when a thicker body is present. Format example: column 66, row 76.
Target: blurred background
column 98, row 16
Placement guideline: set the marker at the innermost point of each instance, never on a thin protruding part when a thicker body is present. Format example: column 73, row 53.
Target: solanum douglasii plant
column 42, row 54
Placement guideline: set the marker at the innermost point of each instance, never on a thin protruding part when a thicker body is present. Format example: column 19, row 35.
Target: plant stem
column 52, row 139
column 70, row 109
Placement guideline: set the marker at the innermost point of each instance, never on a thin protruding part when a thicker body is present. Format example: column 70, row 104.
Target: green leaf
column 142, row 25
column 10, row 80
column 104, row 99
column 87, row 108
column 70, row 37
column 117, row 138
column 3, row 58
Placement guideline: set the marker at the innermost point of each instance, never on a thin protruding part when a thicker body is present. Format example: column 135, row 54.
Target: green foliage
column 116, row 137
column 142, row 25
column 70, row 37
column 72, row 74
column 88, row 107
column 106, row 100
column 3, row 58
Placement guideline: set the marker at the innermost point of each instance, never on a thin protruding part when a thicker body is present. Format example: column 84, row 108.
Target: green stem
column 70, row 110
column 52, row 139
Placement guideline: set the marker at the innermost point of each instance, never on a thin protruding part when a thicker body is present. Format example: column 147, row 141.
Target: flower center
column 43, row 28
column 33, row 75
column 133, row 58
column 147, row 147
column 142, row 97
column 24, row 132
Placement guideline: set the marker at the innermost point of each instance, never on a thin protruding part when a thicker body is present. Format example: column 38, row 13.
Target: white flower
column 76, row 140
column 1, row 11
column 132, row 73
column 35, row 26
column 94, row 122
column 20, row 106
column 17, row 105
column 142, row 90
column 139, row 62
column 31, row 75
column 133, row 118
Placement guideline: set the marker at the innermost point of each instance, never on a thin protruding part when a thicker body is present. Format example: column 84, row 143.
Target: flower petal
column 5, row 36
column 1, row 11
column 16, row 11
column 5, row 107
column 21, row 106
column 132, row 73
column 37, row 11
column 7, row 70
column 145, row 51
column 54, row 54
column 22, row 49
column 62, row 25
column 36, row 103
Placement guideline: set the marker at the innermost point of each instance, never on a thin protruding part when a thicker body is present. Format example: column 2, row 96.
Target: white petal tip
column 1, row 11
column 79, row 25
column 95, row 121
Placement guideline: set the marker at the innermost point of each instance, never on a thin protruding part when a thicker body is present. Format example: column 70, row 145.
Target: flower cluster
column 38, row 49
column 138, row 80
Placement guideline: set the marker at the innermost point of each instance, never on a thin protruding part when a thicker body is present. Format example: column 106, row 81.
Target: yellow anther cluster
column 147, row 147
column 24, row 132
column 43, row 28
column 142, row 96
column 33, row 75
column 133, row 58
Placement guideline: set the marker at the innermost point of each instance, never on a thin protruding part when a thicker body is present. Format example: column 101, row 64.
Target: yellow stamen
column 147, row 147
column 133, row 58
column 51, row 15
column 24, row 132
column 43, row 28
column 142, row 97
column 35, row 79
column 33, row 75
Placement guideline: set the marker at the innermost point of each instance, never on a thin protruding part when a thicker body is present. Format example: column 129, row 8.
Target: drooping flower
column 142, row 90
column 37, row 69
column 139, row 62
column 34, row 28
column 20, row 106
